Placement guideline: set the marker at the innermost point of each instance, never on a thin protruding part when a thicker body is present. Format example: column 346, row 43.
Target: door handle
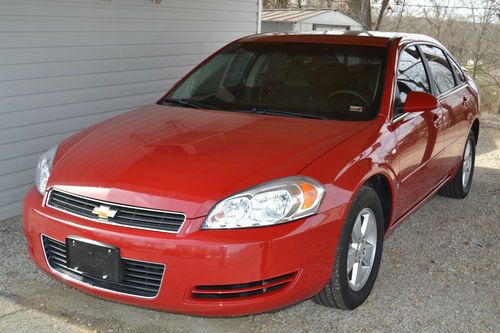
column 436, row 118
column 465, row 101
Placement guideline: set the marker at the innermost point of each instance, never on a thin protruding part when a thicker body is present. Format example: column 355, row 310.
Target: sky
column 457, row 7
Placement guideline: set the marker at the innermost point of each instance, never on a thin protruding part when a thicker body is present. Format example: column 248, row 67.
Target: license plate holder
column 94, row 259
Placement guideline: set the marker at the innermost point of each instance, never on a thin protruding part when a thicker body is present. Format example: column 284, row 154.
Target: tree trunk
column 383, row 7
column 361, row 11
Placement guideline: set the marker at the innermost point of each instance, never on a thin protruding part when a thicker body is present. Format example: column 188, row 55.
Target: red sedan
column 268, row 175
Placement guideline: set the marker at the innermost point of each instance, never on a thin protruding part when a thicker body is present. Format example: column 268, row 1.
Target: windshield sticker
column 355, row 108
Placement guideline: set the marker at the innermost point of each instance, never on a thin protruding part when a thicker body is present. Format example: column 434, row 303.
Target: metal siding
column 65, row 65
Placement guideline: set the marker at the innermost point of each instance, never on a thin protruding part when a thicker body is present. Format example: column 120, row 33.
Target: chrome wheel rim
column 467, row 164
column 362, row 248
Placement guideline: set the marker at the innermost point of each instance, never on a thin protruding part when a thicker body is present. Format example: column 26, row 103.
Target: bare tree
column 270, row 4
column 383, row 7
column 482, row 48
column 360, row 10
column 281, row 4
column 401, row 13
column 437, row 16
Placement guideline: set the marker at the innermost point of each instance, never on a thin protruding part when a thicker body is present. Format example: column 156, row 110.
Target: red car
column 268, row 175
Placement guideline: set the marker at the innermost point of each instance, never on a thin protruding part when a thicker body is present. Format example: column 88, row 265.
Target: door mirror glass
column 418, row 101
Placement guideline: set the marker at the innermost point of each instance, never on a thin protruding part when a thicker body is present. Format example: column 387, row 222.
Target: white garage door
column 66, row 64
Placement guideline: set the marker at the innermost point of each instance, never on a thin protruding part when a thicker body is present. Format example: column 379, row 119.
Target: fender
column 344, row 183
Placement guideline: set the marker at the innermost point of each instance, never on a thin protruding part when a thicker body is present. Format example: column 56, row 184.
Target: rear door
column 420, row 136
column 460, row 103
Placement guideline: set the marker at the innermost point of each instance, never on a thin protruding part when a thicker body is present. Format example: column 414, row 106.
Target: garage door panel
column 83, row 81
column 90, row 53
column 36, row 101
column 101, row 66
column 66, row 64
column 61, row 39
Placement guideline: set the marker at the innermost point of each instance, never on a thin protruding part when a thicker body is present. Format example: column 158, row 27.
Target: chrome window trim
column 72, row 279
column 399, row 117
column 455, row 88
column 447, row 56
column 49, row 193
column 395, row 119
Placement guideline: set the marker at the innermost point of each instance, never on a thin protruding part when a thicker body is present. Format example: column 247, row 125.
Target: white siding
column 277, row 26
column 67, row 64
column 334, row 18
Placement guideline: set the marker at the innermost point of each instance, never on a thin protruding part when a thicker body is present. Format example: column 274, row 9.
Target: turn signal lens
column 310, row 194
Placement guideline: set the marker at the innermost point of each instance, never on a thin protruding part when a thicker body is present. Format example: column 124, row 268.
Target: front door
column 420, row 136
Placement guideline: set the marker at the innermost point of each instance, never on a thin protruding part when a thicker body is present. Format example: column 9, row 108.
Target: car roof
column 373, row 38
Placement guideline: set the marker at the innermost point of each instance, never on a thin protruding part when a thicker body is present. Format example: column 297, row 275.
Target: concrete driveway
column 440, row 273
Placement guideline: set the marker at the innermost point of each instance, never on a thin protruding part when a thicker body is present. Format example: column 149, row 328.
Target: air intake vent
column 127, row 216
column 231, row 291
column 140, row 278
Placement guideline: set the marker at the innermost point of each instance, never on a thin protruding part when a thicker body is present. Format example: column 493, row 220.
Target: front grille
column 241, row 290
column 140, row 278
column 125, row 215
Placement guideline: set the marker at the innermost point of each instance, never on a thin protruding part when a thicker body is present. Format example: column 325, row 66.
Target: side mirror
column 418, row 101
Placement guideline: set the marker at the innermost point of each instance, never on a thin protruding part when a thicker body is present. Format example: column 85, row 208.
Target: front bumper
column 302, row 249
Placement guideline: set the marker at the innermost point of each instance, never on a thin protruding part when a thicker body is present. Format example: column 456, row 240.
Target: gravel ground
column 440, row 273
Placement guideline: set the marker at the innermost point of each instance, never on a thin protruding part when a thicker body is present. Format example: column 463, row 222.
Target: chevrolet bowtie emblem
column 104, row 212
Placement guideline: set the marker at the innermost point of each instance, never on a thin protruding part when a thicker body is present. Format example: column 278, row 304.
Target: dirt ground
column 440, row 273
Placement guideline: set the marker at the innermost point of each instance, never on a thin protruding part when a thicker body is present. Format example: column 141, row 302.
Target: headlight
column 43, row 169
column 276, row 202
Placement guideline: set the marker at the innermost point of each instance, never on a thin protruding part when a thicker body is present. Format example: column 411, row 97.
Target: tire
column 459, row 188
column 340, row 292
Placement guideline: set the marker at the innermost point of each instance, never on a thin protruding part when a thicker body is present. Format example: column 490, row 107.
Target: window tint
column 332, row 81
column 440, row 68
column 411, row 74
column 458, row 71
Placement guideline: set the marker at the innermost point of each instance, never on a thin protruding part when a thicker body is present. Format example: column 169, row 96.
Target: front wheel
column 358, row 254
column 459, row 187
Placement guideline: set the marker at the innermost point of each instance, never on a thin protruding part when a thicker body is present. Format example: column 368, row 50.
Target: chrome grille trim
column 127, row 216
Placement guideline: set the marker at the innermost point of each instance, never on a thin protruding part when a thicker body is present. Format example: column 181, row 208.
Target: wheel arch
column 382, row 179
column 380, row 183
column 475, row 129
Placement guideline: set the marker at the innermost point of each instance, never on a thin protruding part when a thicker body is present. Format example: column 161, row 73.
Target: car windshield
column 327, row 81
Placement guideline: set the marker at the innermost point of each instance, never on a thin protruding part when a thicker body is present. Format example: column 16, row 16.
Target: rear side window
column 411, row 73
column 440, row 68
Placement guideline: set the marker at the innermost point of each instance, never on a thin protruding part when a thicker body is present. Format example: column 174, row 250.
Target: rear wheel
column 460, row 185
column 358, row 254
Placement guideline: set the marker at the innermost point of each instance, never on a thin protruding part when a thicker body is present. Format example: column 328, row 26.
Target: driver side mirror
column 418, row 101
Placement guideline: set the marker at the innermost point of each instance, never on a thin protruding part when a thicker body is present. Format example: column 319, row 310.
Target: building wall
column 277, row 27
column 65, row 65
column 333, row 18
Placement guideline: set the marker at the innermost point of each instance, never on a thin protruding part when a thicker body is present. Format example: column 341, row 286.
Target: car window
column 458, row 71
column 411, row 76
column 328, row 80
column 440, row 68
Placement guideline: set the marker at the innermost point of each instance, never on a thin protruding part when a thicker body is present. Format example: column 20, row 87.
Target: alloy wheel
column 467, row 164
column 362, row 248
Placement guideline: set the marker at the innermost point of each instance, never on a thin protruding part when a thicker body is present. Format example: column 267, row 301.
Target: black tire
column 455, row 188
column 337, row 292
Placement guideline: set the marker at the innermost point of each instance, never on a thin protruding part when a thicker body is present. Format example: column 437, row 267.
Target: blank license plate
column 96, row 260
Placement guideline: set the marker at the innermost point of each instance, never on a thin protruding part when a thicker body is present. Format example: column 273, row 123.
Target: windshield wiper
column 188, row 103
column 287, row 113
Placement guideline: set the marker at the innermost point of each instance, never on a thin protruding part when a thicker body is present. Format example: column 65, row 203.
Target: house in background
column 283, row 20
column 66, row 65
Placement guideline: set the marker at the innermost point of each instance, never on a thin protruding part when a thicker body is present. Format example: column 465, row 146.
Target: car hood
column 181, row 159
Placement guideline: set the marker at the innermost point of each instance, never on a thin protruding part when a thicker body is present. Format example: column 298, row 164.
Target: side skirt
column 395, row 224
